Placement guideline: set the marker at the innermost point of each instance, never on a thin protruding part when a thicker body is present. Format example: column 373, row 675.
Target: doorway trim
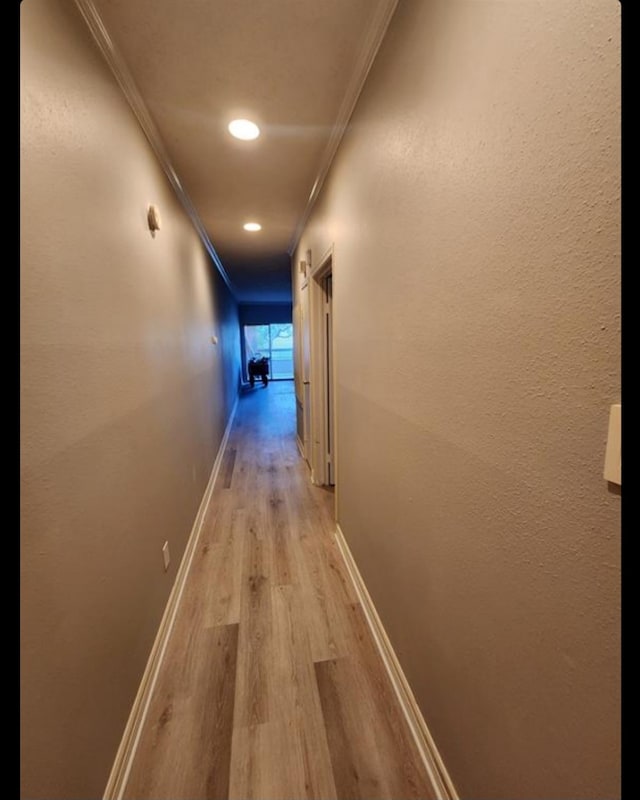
column 319, row 376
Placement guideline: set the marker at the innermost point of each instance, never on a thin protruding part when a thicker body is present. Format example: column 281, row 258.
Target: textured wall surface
column 474, row 209
column 124, row 401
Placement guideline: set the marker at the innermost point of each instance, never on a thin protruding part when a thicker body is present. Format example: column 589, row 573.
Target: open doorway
column 322, row 395
column 273, row 341
column 327, row 288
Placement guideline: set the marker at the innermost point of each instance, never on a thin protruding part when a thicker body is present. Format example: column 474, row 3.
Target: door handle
column 306, row 383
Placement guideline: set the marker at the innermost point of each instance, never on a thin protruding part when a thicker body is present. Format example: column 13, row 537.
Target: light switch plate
column 612, row 459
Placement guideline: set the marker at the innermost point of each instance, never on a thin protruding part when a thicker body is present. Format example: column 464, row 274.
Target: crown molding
column 122, row 74
column 371, row 44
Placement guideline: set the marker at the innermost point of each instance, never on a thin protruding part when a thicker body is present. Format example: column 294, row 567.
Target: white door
column 306, row 371
column 328, row 315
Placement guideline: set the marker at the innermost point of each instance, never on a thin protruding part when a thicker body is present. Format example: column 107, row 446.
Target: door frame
column 319, row 376
column 304, row 369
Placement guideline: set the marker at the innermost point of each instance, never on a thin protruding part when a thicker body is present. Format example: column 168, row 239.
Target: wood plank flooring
column 271, row 687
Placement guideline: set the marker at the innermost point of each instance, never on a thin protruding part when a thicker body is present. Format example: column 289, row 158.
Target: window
column 275, row 341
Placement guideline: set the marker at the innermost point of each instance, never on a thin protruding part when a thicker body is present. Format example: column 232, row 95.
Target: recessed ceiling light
column 244, row 129
column 252, row 226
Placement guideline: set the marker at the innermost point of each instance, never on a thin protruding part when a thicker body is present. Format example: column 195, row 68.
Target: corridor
column 413, row 208
column 271, row 686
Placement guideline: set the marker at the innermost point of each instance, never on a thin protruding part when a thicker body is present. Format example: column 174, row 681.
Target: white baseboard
column 128, row 745
column 440, row 779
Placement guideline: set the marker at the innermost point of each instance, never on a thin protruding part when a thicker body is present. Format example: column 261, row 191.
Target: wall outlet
column 166, row 556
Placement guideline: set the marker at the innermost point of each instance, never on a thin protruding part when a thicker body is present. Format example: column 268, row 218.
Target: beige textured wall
column 124, row 401
column 474, row 207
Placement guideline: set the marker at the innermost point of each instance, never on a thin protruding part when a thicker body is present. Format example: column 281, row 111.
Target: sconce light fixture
column 153, row 219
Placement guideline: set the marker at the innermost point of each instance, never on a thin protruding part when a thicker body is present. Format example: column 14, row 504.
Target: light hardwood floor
column 271, row 687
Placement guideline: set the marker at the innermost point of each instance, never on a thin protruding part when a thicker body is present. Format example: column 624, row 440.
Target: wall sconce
column 305, row 265
column 153, row 219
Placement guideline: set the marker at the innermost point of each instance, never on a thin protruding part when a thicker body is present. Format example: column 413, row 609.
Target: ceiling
column 295, row 67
